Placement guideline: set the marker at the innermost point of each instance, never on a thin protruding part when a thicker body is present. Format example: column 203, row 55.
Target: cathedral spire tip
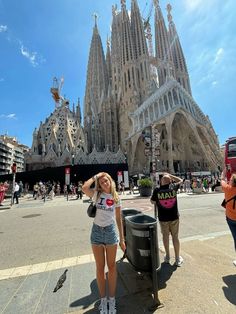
column 95, row 16
column 123, row 4
column 156, row 3
column 169, row 16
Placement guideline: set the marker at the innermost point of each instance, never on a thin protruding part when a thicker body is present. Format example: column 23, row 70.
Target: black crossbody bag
column 91, row 211
column 223, row 204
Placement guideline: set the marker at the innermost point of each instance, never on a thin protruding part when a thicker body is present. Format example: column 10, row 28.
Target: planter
column 145, row 191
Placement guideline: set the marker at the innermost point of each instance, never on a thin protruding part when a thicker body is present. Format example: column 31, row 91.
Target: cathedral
column 138, row 97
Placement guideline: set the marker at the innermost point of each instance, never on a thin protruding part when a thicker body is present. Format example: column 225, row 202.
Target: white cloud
column 3, row 28
column 192, row 5
column 199, row 6
column 31, row 56
column 8, row 116
column 214, row 83
column 218, row 55
column 34, row 58
column 211, row 62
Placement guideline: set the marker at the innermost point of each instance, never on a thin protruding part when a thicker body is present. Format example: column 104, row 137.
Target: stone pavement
column 206, row 283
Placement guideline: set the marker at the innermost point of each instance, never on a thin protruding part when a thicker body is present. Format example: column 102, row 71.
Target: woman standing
column 230, row 197
column 3, row 188
column 104, row 237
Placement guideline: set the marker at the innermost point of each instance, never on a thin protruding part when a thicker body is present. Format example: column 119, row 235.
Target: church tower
column 96, row 91
column 163, row 50
column 180, row 66
column 140, row 52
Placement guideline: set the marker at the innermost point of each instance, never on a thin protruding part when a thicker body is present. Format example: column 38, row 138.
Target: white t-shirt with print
column 105, row 214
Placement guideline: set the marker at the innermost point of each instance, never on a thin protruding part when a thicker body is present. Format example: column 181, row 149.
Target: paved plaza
column 40, row 240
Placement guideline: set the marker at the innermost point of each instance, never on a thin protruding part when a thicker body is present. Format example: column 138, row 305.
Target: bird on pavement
column 61, row 280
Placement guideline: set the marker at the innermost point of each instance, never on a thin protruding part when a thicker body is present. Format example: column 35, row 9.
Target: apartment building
column 11, row 151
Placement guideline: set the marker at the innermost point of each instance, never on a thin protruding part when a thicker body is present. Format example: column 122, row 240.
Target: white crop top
column 105, row 214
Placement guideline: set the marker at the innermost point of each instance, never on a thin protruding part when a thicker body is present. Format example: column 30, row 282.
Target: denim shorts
column 104, row 235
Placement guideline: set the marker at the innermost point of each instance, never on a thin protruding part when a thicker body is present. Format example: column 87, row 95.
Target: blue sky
column 40, row 39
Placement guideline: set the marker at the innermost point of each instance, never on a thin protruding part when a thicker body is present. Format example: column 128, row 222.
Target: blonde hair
column 113, row 187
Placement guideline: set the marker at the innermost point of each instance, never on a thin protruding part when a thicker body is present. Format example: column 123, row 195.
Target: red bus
column 230, row 156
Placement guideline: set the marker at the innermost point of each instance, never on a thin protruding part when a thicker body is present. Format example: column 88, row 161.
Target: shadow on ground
column 230, row 290
column 88, row 300
column 164, row 274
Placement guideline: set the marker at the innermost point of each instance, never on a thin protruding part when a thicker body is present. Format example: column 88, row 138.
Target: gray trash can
column 126, row 212
column 142, row 249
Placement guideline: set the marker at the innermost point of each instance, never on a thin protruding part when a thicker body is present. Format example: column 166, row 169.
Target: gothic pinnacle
column 95, row 15
column 123, row 4
column 156, row 3
column 169, row 16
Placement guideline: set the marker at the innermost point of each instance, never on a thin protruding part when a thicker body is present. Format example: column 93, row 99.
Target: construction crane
column 56, row 89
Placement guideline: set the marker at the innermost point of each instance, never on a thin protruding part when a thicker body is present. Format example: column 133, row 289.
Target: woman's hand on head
column 100, row 174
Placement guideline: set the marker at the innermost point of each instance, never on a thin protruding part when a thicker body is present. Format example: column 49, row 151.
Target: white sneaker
column 103, row 306
column 234, row 262
column 112, row 306
column 179, row 261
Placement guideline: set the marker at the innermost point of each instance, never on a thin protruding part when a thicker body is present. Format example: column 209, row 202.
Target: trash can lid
column 141, row 220
column 130, row 211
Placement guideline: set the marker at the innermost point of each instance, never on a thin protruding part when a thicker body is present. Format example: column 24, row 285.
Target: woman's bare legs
column 99, row 255
column 111, row 264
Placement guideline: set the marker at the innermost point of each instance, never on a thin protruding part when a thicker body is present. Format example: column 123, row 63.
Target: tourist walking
column 230, row 207
column 79, row 190
column 104, row 237
column 165, row 198
column 16, row 193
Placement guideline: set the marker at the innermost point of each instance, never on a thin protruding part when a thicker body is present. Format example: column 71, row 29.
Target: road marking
column 204, row 237
column 49, row 266
column 84, row 259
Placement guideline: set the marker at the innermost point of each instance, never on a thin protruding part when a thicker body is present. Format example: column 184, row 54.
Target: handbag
column 223, row 204
column 91, row 211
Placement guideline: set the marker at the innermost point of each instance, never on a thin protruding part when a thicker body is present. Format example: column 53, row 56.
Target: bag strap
column 232, row 198
column 95, row 197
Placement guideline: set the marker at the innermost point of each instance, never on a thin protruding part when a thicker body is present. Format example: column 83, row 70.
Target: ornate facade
column 60, row 139
column 143, row 101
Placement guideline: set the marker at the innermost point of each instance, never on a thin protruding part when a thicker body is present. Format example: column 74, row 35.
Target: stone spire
column 181, row 70
column 108, row 60
column 96, row 72
column 78, row 111
column 163, row 49
column 126, row 42
column 140, row 50
column 116, row 50
column 96, row 85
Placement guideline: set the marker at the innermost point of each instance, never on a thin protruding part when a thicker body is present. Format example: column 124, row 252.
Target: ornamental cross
column 95, row 15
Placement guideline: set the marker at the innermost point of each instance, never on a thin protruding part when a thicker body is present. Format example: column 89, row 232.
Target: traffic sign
column 13, row 168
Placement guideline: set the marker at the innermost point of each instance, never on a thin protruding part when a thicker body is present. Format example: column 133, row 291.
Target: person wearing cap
column 165, row 198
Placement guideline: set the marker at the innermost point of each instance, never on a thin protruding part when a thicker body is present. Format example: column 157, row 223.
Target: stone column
column 169, row 121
